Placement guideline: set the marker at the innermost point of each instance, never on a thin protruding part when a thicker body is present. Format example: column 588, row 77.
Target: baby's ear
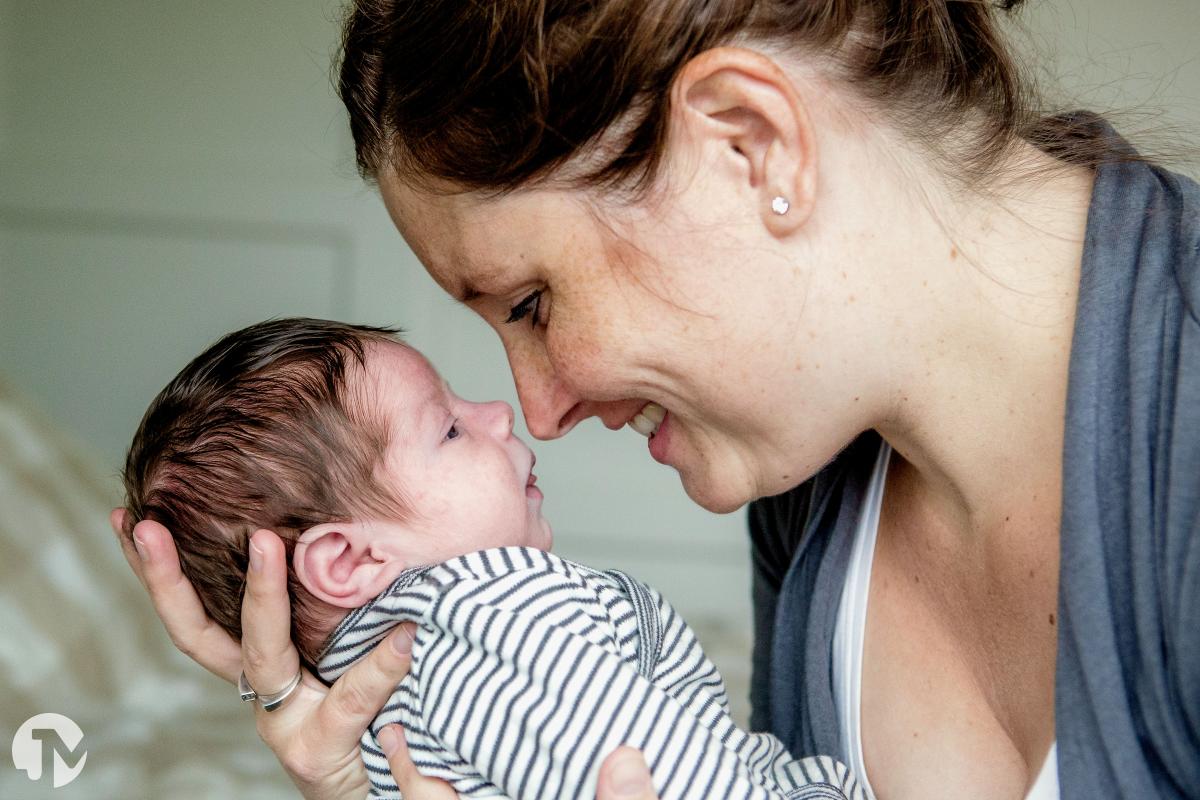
column 336, row 563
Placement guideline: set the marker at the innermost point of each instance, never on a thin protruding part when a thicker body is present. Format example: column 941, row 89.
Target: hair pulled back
column 492, row 94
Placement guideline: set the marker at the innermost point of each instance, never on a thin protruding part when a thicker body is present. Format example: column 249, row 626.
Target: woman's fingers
column 625, row 776
column 357, row 696
column 316, row 733
column 413, row 785
column 153, row 558
column 268, row 655
column 116, row 520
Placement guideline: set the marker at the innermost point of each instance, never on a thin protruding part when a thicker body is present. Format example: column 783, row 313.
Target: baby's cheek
column 424, row 504
column 494, row 515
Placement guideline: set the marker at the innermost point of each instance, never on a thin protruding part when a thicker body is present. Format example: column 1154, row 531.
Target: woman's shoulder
column 1132, row 443
column 1144, row 229
column 1187, row 235
column 1135, row 363
column 1130, row 575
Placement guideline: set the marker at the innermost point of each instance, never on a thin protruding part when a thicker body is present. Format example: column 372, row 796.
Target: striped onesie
column 528, row 670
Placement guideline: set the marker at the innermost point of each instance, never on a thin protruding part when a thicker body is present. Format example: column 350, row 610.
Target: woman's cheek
column 589, row 353
column 582, row 367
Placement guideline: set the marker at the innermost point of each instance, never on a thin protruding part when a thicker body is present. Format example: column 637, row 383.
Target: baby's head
column 344, row 442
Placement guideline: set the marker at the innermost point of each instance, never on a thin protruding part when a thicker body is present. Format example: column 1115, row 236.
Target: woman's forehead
column 466, row 241
column 430, row 223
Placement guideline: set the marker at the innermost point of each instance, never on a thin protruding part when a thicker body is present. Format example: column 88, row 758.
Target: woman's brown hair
column 492, row 94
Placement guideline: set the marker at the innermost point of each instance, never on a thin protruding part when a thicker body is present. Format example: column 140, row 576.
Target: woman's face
column 687, row 302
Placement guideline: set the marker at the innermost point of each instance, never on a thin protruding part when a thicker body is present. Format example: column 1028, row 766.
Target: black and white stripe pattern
column 528, row 670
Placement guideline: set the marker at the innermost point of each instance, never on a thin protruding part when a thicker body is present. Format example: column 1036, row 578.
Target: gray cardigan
column 1127, row 689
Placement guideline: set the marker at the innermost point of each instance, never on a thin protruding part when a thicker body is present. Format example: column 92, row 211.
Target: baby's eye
column 453, row 433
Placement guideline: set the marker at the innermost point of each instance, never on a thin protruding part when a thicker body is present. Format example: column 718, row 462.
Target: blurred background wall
column 172, row 170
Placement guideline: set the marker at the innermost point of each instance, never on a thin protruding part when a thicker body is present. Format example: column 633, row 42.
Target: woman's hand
column 315, row 733
column 413, row 785
column 623, row 775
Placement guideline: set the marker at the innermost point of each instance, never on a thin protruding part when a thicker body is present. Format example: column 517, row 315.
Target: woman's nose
column 550, row 408
column 550, row 411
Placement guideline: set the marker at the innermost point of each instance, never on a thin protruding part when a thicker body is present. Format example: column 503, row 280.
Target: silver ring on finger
column 269, row 702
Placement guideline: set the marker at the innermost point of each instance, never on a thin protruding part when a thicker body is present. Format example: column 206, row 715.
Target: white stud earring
column 780, row 205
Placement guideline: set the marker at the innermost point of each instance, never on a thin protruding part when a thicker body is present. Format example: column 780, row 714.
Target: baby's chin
column 540, row 537
column 537, row 535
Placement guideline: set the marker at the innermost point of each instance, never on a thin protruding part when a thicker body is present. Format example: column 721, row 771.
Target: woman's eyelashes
column 453, row 432
column 528, row 307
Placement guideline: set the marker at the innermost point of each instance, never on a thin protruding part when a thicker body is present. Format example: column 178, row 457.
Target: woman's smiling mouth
column 647, row 421
column 653, row 423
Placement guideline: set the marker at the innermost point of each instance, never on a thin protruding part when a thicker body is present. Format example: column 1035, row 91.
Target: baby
column 398, row 500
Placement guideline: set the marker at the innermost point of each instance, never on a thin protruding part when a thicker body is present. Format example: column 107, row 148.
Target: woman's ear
column 741, row 109
column 338, row 564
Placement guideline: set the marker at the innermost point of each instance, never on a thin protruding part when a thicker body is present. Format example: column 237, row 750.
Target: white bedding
column 78, row 637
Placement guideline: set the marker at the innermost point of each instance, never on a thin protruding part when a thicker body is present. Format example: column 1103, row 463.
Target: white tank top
column 850, row 630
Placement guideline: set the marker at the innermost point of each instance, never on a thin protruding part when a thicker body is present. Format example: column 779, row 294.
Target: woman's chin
column 709, row 491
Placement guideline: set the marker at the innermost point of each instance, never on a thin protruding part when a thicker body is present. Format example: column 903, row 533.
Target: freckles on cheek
column 584, row 375
column 583, row 361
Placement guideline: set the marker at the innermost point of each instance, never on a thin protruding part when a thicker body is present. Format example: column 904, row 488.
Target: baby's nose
column 500, row 416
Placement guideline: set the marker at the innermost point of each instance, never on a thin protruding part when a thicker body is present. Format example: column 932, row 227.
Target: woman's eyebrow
column 469, row 290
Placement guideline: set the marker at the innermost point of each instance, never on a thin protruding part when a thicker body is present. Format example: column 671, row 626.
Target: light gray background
column 171, row 170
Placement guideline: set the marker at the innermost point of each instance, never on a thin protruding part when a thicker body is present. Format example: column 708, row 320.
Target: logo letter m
column 53, row 745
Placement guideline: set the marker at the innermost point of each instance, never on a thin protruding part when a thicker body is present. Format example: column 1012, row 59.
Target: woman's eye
column 529, row 307
column 453, row 433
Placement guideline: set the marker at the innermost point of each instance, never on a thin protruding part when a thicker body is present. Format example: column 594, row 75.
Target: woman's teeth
column 647, row 420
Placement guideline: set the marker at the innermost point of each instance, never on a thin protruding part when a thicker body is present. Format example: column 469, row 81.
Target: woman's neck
column 978, row 405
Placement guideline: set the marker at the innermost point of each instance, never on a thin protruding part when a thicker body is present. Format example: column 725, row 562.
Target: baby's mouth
column 531, row 489
column 647, row 420
column 532, row 479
